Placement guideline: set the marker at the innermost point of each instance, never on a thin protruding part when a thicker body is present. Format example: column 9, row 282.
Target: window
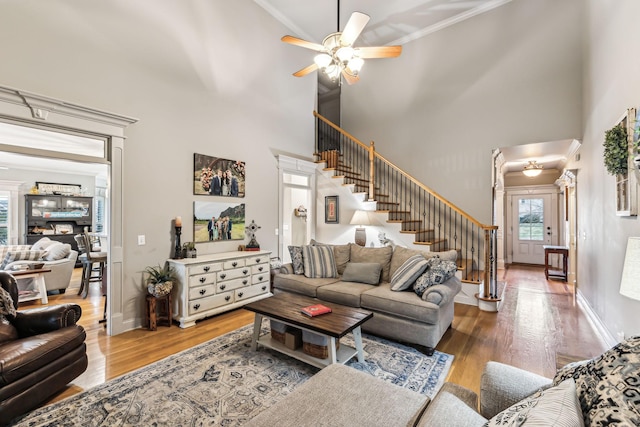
column 4, row 218
column 531, row 219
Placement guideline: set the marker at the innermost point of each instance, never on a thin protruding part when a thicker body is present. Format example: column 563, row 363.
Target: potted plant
column 160, row 280
column 616, row 150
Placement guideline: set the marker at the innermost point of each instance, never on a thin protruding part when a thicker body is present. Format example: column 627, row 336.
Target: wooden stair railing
column 421, row 211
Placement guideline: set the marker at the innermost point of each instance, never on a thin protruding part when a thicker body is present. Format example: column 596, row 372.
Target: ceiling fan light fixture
column 333, row 71
column 323, row 60
column 533, row 169
column 355, row 65
column 345, row 54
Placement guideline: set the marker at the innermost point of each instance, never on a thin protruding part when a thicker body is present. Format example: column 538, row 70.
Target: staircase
column 435, row 223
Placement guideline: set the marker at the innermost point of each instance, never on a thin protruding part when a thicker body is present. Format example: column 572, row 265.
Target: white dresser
column 212, row 284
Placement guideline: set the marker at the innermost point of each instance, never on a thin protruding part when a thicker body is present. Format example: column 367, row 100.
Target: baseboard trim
column 595, row 321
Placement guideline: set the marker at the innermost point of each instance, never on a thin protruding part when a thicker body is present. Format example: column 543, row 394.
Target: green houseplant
column 160, row 280
column 616, row 150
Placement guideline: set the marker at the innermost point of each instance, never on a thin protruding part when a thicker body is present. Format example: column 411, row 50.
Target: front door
column 532, row 227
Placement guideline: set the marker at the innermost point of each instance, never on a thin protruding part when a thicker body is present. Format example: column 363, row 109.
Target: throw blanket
column 6, row 305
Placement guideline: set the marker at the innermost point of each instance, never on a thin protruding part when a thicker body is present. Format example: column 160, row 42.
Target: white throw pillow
column 57, row 251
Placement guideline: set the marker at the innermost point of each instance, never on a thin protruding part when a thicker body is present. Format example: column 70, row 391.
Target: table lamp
column 361, row 218
column 630, row 283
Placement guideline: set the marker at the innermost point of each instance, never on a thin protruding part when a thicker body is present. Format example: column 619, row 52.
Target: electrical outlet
column 141, row 239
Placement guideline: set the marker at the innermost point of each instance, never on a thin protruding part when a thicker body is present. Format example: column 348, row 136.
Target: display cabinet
column 57, row 217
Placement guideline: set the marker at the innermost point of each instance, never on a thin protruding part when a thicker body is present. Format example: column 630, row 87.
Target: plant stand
column 158, row 311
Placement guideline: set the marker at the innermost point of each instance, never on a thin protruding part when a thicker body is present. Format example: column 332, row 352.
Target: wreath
column 616, row 150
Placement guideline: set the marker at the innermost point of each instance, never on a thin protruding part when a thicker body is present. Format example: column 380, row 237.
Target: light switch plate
column 141, row 239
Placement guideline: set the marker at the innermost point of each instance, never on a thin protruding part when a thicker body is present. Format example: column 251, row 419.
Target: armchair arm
column 442, row 294
column 502, row 385
column 286, row 268
column 46, row 319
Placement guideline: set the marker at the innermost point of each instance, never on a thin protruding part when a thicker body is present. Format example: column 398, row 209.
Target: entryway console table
column 212, row 284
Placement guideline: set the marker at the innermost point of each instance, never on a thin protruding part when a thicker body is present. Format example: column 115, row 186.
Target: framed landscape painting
column 214, row 176
column 218, row 221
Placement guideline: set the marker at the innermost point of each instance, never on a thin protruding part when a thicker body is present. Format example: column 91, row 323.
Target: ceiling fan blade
column 302, row 43
column 354, row 27
column 349, row 78
column 311, row 68
column 379, row 52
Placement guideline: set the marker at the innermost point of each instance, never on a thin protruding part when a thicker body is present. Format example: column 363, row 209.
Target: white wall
column 611, row 85
column 201, row 76
column 508, row 77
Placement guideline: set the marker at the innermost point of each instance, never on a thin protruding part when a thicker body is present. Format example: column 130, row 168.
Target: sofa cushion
column 399, row 256
column 555, row 406
column 380, row 255
column 43, row 244
column 318, row 262
column 300, row 284
column 345, row 293
column 608, row 385
column 400, row 304
column 12, row 248
column 446, row 409
column 24, row 255
column 437, row 272
column 405, row 276
column 296, row 259
column 362, row 272
column 57, row 251
column 451, row 255
column 341, row 254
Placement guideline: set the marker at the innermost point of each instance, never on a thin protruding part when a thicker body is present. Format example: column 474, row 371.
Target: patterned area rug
column 223, row 383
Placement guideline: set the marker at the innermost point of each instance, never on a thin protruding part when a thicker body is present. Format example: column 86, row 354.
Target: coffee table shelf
column 343, row 354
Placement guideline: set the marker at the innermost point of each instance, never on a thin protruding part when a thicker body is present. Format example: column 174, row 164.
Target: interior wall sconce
column 360, row 218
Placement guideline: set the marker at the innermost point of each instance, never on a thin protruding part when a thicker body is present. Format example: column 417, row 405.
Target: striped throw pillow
column 25, row 255
column 319, row 262
column 407, row 273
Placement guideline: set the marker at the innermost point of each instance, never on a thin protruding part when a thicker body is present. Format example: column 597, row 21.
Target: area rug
column 224, row 383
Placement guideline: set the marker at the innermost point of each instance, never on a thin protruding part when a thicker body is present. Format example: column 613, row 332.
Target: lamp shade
column 360, row 218
column 630, row 283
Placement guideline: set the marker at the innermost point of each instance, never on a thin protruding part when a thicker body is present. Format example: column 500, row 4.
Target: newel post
column 372, row 172
column 488, row 267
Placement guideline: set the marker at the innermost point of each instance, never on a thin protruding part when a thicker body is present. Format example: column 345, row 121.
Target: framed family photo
column 218, row 221
column 215, row 176
column 331, row 210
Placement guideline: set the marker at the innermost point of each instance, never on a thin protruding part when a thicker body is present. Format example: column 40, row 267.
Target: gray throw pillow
column 380, row 255
column 362, row 272
column 341, row 254
column 57, row 251
column 296, row 259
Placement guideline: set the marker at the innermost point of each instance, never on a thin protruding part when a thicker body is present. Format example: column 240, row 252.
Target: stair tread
column 416, row 231
column 403, row 221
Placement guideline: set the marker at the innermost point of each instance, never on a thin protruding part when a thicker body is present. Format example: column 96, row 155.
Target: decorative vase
column 159, row 289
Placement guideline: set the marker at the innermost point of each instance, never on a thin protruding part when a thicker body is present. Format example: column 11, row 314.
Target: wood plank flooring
column 537, row 320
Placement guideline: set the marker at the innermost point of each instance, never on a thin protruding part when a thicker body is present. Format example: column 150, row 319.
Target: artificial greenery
column 160, row 274
column 616, row 150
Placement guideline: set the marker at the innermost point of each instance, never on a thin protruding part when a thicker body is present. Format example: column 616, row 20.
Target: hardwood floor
column 537, row 320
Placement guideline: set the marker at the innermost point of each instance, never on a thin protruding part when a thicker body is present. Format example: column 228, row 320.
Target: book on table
column 315, row 310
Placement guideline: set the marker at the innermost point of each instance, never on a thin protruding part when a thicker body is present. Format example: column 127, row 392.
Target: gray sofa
column 399, row 315
column 599, row 392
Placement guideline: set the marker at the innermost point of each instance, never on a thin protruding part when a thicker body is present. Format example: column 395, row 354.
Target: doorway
column 532, row 227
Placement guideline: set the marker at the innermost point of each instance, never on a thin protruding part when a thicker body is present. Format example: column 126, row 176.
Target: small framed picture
column 331, row 210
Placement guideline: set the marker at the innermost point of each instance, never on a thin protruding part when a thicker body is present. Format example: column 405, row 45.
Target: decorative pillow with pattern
column 438, row 271
column 25, row 255
column 296, row 259
column 608, row 385
column 406, row 275
column 319, row 262
column 557, row 406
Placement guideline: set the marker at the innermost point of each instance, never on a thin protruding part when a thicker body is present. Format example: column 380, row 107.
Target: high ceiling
column 392, row 22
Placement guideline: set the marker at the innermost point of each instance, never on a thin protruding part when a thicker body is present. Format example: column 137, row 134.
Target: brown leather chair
column 41, row 351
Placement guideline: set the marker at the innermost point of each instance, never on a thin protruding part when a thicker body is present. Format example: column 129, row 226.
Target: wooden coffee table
column 285, row 308
column 39, row 290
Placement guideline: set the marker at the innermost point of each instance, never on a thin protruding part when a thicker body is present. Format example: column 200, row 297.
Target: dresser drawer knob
column 203, row 279
column 260, row 279
column 222, row 276
column 264, row 288
column 245, row 271
column 260, row 268
column 223, row 287
column 244, row 282
column 257, row 260
column 227, row 298
column 203, row 291
column 240, row 294
column 207, row 268
column 196, row 306
column 234, row 263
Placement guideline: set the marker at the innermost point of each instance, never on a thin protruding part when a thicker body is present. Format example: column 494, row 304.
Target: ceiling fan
column 337, row 55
